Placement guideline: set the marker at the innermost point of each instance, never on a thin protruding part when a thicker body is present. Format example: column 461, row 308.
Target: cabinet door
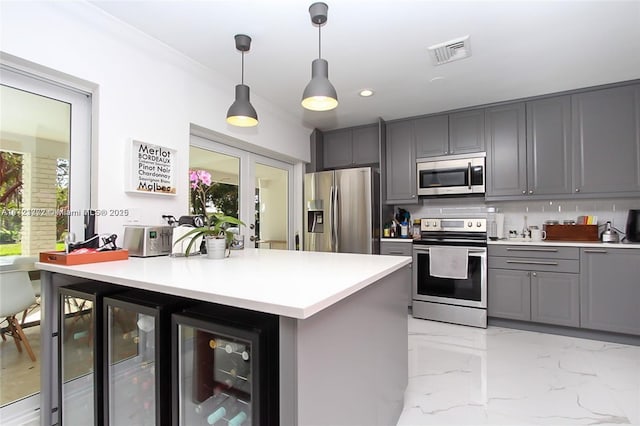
column 509, row 294
column 466, row 132
column 555, row 298
column 610, row 290
column 366, row 145
column 549, row 146
column 506, row 150
column 401, row 163
column 606, row 140
column 432, row 136
column 337, row 150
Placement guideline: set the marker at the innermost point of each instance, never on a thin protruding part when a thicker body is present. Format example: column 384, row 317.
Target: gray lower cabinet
column 555, row 298
column 610, row 290
column 509, row 294
column 540, row 284
column 351, row 147
column 393, row 248
column 400, row 163
column 606, row 137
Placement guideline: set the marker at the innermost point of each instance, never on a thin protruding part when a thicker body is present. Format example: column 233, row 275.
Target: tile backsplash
column 537, row 212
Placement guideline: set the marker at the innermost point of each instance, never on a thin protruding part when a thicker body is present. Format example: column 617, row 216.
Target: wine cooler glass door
column 217, row 376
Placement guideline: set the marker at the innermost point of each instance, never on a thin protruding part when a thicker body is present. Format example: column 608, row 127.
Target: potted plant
column 216, row 234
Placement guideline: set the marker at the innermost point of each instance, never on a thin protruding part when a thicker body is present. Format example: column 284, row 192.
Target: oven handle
column 481, row 251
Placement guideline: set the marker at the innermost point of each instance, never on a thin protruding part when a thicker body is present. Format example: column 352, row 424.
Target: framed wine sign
column 152, row 169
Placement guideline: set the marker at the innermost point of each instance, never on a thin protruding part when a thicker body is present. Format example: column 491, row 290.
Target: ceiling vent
column 450, row 51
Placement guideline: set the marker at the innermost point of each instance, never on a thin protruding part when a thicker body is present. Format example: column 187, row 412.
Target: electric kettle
column 609, row 235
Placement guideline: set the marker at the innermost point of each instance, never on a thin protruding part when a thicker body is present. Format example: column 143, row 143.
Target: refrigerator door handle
column 336, row 213
column 332, row 219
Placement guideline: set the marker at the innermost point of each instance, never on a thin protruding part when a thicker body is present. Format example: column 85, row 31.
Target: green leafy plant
column 217, row 226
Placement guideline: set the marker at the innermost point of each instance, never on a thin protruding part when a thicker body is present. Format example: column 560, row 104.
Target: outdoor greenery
column 11, row 193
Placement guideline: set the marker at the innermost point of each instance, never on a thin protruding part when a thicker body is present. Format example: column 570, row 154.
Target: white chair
column 16, row 295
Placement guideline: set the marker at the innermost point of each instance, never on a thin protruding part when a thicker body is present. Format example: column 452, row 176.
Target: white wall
column 142, row 90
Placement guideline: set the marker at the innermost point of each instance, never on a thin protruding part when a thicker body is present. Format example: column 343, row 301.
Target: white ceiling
column 519, row 49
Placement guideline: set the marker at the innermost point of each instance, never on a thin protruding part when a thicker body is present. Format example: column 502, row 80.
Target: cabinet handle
column 396, row 252
column 577, row 189
column 531, row 191
column 524, row 192
column 595, row 251
column 532, row 262
column 535, row 274
column 550, row 250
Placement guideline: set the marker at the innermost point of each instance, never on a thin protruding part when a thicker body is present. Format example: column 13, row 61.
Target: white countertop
column 294, row 284
column 519, row 241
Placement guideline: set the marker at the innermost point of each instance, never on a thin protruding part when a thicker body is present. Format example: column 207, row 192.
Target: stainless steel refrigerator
column 342, row 211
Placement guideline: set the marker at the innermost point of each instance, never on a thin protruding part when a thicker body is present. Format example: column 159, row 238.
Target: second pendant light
column 319, row 95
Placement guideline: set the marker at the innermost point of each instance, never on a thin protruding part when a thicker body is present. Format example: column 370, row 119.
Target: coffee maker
column 633, row 226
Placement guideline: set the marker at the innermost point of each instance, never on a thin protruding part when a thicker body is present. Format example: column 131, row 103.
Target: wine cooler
column 80, row 357
column 226, row 368
column 138, row 357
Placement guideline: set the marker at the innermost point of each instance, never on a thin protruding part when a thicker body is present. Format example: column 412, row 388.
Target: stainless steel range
column 450, row 271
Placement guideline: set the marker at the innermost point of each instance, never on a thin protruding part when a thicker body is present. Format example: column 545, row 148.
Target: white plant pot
column 216, row 248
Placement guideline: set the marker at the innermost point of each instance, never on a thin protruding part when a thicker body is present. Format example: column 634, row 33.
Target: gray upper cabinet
column 432, row 136
column 466, row 132
column 606, row 140
column 506, row 150
column 610, row 290
column 400, row 163
column 354, row 146
column 366, row 145
column 549, row 146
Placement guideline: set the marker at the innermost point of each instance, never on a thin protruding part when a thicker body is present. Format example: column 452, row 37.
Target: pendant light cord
column 242, row 73
column 319, row 41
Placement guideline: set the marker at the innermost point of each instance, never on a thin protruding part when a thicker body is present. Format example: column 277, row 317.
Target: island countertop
column 294, row 284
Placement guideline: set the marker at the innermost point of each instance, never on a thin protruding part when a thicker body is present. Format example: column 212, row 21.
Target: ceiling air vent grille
column 450, row 51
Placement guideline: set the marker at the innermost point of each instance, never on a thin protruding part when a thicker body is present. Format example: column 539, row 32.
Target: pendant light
column 241, row 113
column 319, row 95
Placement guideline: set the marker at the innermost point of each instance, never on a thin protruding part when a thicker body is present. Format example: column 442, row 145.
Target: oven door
column 447, row 177
column 471, row 291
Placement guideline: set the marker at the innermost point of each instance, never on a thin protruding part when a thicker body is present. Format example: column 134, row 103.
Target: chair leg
column 19, row 335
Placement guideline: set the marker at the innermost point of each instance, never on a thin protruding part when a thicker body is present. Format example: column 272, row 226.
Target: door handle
column 469, row 173
column 252, row 238
column 336, row 207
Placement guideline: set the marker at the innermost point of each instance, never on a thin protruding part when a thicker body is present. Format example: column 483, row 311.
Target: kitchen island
column 342, row 322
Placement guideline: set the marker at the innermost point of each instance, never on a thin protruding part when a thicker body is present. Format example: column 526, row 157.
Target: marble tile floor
column 466, row 375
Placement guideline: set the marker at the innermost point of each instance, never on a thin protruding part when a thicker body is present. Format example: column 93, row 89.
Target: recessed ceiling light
column 365, row 93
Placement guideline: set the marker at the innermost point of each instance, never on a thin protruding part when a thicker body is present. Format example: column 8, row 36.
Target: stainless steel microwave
column 451, row 175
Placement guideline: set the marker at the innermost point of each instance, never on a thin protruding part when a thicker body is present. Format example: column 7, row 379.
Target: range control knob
column 434, row 224
column 469, row 224
column 478, row 224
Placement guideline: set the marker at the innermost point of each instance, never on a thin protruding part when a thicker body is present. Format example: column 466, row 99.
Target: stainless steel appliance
column 342, row 211
column 456, row 300
column 147, row 241
column 451, row 175
column 633, row 226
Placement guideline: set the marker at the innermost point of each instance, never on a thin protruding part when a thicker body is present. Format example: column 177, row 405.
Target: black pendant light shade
column 241, row 113
column 319, row 95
